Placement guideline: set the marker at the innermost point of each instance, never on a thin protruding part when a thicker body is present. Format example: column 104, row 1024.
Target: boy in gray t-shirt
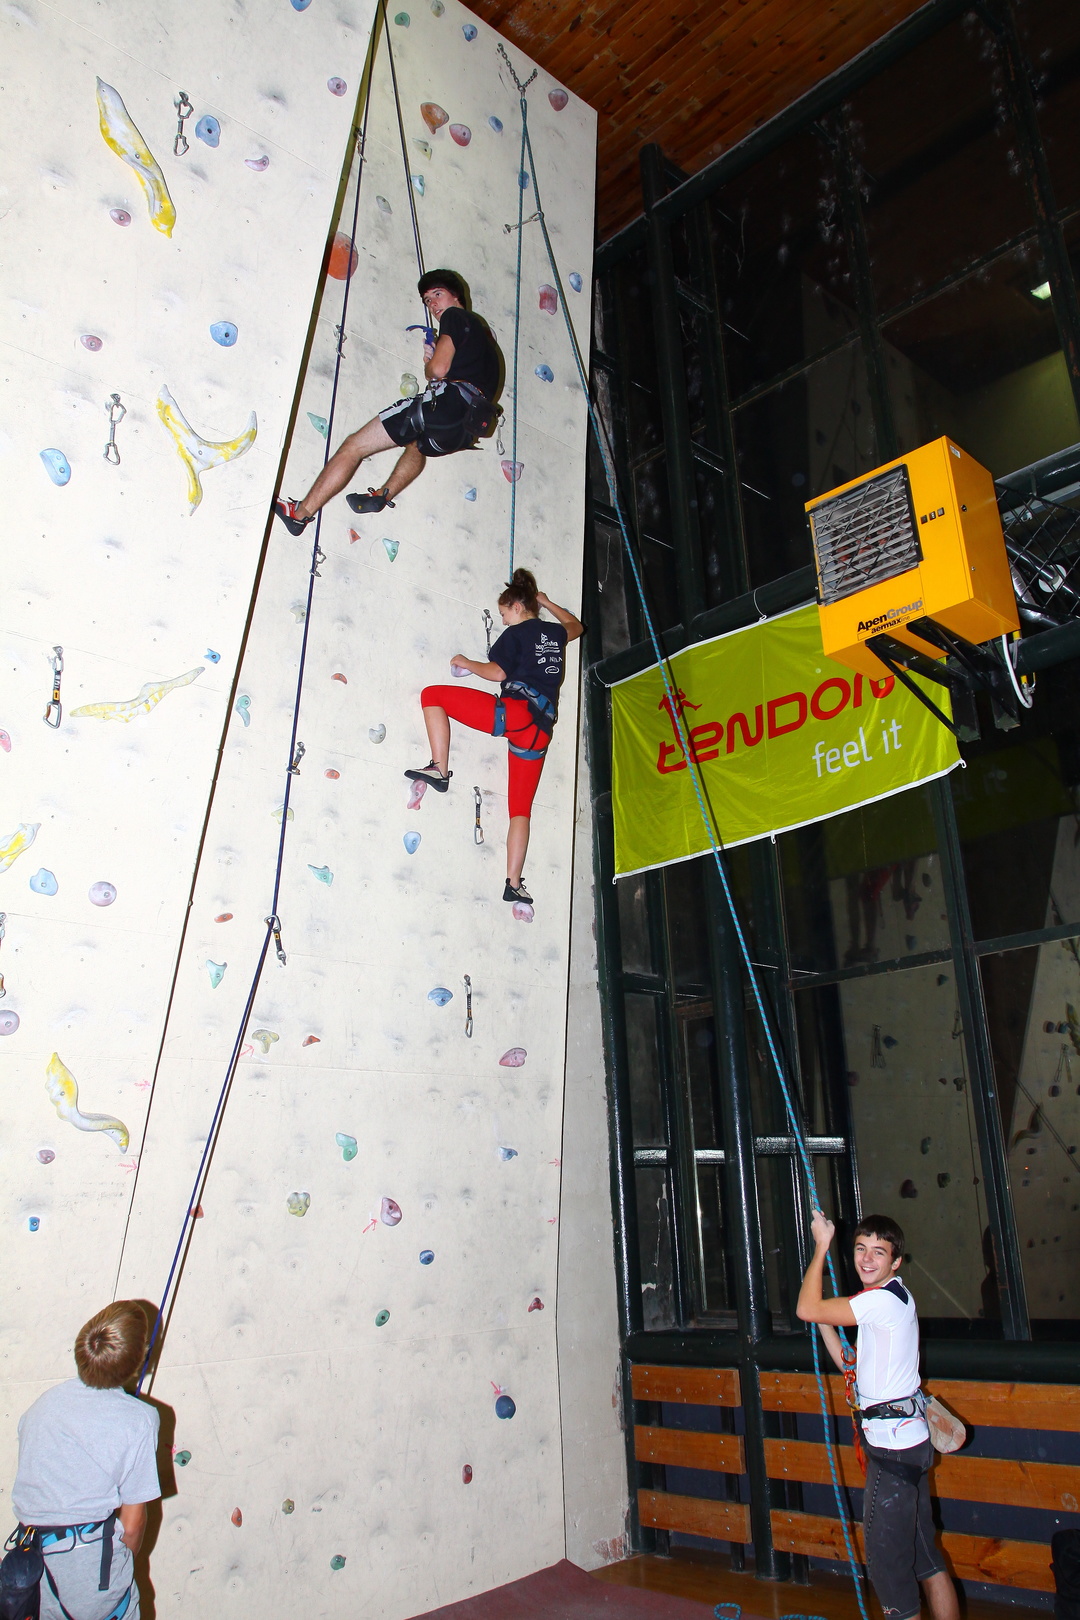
column 87, row 1451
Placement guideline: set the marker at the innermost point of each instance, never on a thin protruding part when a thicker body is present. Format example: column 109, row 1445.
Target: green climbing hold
column 288, row 1506
column 338, row 1560
column 382, row 1319
column 402, row 20
column 182, row 1459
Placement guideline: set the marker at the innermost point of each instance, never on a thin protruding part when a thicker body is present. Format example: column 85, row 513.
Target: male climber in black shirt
column 456, row 407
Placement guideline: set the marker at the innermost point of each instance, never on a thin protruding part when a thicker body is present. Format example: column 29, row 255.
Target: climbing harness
column 54, row 711
column 184, row 111
column 468, row 1008
column 521, row 89
column 707, row 817
column 541, row 713
column 478, row 833
column 116, row 413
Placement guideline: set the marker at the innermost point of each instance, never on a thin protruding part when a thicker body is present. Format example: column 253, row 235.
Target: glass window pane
column 634, row 924
column 982, row 362
column 698, row 1051
column 781, row 262
column 1031, row 1000
column 614, row 619
column 1050, row 30
column 914, row 1130
column 646, row 1107
column 938, row 157
column 688, row 937
column 716, row 1284
column 795, row 442
column 864, row 887
column 654, row 1246
column 637, row 354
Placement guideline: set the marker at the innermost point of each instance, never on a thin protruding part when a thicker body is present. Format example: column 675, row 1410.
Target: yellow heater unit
column 919, row 538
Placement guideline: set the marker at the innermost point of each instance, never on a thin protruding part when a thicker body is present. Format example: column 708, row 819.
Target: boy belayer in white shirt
column 898, row 1528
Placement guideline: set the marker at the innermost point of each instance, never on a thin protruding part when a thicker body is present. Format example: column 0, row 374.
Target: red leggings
column 477, row 710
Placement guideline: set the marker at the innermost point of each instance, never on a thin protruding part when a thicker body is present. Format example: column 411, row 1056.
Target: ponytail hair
column 522, row 588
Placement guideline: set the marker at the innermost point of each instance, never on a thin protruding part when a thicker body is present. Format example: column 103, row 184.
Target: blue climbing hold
column 391, row 547
column 523, row 180
column 496, row 124
column 323, row 873
column 470, row 494
column 34, row 1222
column 225, row 333
column 347, row 1144
column 545, row 374
column 208, row 130
column 319, row 423
column 402, row 19
column 469, row 30
column 43, row 882
column 575, row 281
column 243, row 708
column 440, row 995
column 417, row 184
column 426, row 1256
column 890, row 1041
column 214, row 657
column 216, row 971
column 411, row 840
column 506, row 1154
column 300, row 5
column 504, row 1407
column 56, row 465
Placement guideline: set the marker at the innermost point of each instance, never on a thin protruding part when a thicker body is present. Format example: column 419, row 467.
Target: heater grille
column 865, row 535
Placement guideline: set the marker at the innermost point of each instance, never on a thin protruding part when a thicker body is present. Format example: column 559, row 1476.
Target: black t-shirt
column 476, row 359
column 532, row 652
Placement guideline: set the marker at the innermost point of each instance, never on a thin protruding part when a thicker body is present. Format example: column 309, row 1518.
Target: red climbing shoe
column 431, row 774
column 520, row 894
column 286, row 511
column 374, row 501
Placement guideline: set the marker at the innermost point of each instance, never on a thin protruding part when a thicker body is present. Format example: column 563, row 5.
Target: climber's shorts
column 445, row 418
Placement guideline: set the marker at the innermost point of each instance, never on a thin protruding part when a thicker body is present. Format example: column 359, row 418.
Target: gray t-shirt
column 82, row 1453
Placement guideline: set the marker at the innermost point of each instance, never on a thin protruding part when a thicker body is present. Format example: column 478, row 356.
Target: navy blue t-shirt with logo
column 532, row 652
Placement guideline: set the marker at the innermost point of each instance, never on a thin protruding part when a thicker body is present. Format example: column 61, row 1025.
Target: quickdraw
column 116, row 413
column 274, row 924
column 478, row 831
column 468, row 1008
column 184, row 111
column 54, row 711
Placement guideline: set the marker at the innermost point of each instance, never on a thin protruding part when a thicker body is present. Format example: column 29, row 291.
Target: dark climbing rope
column 716, row 844
column 401, row 136
column 521, row 179
column 295, row 752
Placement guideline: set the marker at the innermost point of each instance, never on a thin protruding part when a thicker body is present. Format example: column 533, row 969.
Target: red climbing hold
column 237, row 1517
column 342, row 678
column 313, row 1040
column 333, row 775
column 226, row 916
column 537, row 1304
column 343, row 257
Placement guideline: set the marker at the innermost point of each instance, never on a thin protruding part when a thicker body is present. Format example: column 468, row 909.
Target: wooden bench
column 1054, row 1487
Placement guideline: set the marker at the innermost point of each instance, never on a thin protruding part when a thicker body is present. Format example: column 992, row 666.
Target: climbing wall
column 362, row 1355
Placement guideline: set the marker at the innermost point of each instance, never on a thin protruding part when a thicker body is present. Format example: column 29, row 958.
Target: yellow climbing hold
column 121, row 135
column 198, row 454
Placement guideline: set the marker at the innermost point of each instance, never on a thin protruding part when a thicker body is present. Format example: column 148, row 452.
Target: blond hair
column 110, row 1347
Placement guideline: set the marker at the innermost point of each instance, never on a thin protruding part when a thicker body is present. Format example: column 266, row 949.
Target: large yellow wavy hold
column 121, row 135
column 63, row 1090
column 199, row 455
column 146, row 698
column 21, row 839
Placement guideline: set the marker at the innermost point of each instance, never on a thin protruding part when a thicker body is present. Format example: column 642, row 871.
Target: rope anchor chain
column 54, row 711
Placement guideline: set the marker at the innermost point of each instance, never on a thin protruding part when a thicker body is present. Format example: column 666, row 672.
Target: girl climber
column 528, row 662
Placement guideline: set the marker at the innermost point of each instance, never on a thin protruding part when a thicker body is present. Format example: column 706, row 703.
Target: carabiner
column 116, row 413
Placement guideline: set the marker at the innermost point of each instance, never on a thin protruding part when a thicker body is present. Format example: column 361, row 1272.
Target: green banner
column 782, row 736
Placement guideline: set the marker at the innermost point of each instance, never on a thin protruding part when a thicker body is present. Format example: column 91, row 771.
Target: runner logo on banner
column 781, row 734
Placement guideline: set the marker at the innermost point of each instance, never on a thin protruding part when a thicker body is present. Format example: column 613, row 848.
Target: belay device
column 912, row 571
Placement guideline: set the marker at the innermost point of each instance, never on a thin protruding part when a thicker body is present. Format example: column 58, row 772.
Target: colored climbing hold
column 216, row 971
column 469, row 30
column 504, row 1407
column 425, row 147
column 440, row 995
column 890, row 1041
column 437, row 8
column 433, row 115
column 409, row 389
column 19, row 841
column 9, row 1021
column 119, row 216
column 265, row 1038
column 575, row 280
column 545, row 373
column 522, row 911
column 122, row 137
column 214, row 657
column 390, row 1212
column 319, row 423
column 300, row 5
column 299, row 1203
column 237, row 1517
column 558, row 99
column 243, row 708
column 43, row 882
column 513, row 1058
column 382, row 1318
column 343, row 258
column 426, row 1256
column 323, row 873
column 461, row 133
column 224, row 332
column 537, row 1304
column 391, row 547
column 549, row 299
column 347, row 1144
column 466, row 1474
column 34, row 1222
column 506, row 1154
column 908, row 1189
column 313, row 1040
column 57, row 466
column 459, row 672
column 411, row 840
column 338, row 1560
column 377, row 734
column 62, row 1090
column 512, row 470
column 290, row 815
column 225, row 916
column 298, row 611
column 417, row 184
column 336, row 86
column 402, row 19
column 45, row 1155
column 288, row 1506
column 89, row 341
column 523, row 179
column 259, row 164
column 470, row 494
column 208, row 130
column 333, row 776
column 416, row 795
column 182, row 1459
column 496, row 124
column 5, row 741
column 943, row 1178
column 338, row 676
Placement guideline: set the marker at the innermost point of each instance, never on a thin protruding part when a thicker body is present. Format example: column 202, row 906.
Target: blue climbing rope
column 296, row 751
column 712, row 832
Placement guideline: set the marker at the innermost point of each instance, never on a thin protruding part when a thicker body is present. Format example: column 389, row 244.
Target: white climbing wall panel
column 288, row 1383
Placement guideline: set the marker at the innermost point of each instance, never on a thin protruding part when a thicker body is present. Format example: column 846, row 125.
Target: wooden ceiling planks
column 694, row 79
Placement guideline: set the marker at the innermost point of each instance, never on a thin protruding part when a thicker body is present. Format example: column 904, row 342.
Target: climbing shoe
column 286, row 511
column 374, row 501
column 431, row 774
column 521, row 893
